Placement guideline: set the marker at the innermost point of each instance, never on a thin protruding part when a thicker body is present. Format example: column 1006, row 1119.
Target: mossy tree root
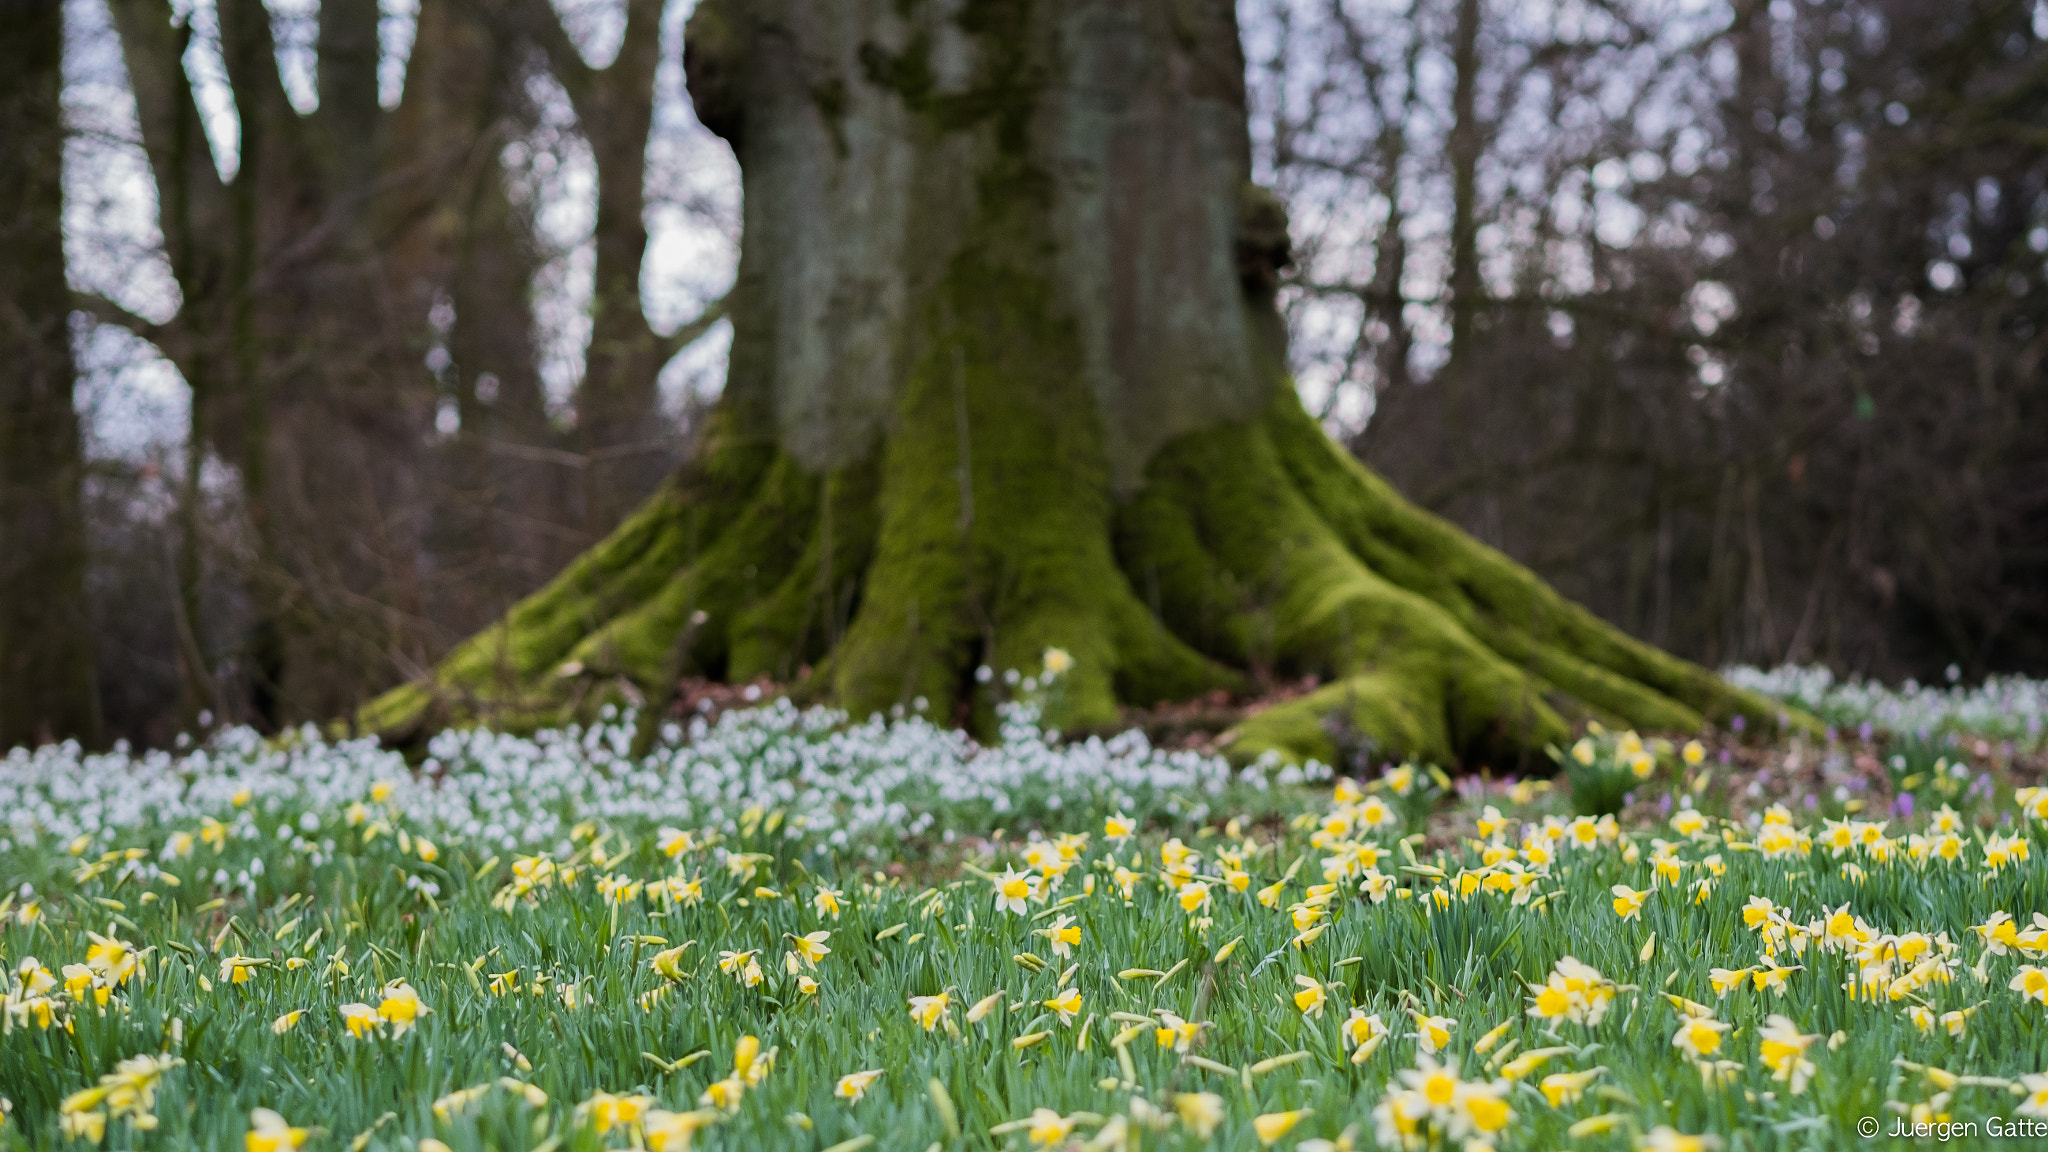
column 1007, row 375
column 1272, row 548
column 1253, row 552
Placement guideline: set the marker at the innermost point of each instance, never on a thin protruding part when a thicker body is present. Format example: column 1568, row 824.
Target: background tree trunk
column 310, row 279
column 617, row 403
column 1465, row 147
column 1007, row 375
column 47, row 688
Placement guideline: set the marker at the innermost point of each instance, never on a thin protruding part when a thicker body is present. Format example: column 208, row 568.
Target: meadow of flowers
column 2013, row 709
column 786, row 930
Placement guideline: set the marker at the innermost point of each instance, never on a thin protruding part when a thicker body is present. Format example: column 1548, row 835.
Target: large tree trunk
column 1007, row 375
column 47, row 687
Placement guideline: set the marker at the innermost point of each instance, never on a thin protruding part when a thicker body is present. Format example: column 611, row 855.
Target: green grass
column 372, row 911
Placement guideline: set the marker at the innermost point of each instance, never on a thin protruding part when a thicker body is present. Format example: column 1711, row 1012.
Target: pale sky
column 135, row 401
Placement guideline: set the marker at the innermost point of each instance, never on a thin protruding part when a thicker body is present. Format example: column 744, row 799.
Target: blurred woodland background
column 336, row 326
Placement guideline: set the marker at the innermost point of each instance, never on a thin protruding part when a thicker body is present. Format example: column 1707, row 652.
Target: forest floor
column 782, row 929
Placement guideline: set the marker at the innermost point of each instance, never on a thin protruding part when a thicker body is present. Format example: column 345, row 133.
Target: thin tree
column 47, row 687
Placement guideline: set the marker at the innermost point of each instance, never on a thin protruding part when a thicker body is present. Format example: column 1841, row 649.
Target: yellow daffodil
column 810, row 947
column 1628, row 902
column 1200, row 1112
column 1528, row 1062
column 1064, row 934
column 724, row 1094
column 361, row 1019
column 2030, row 982
column 128, row 1092
column 1174, row 1032
column 1783, row 1050
column 88, row 1126
column 605, row 1111
column 459, row 1102
column 1688, row 1007
column 984, row 1006
column 1550, row 1001
column 1311, row 997
column 1699, row 1036
column 1726, row 980
column 268, row 1132
column 1048, row 1127
column 854, row 1085
column 1771, row 976
column 667, row 963
column 1271, row 1126
column 744, row 967
column 2033, row 1090
column 1363, row 1034
column 1433, row 1033
column 929, row 1010
column 401, row 1007
column 1566, row 1088
column 1118, row 828
column 111, row 957
column 674, row 1131
column 1013, row 888
column 750, row 1063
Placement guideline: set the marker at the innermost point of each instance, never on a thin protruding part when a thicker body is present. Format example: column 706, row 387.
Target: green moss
column 402, row 707
column 994, row 538
column 1491, row 594
column 1221, row 511
column 734, row 575
column 1160, row 549
column 982, row 532
column 801, row 620
column 508, row 668
column 907, row 73
column 1153, row 665
column 1359, row 720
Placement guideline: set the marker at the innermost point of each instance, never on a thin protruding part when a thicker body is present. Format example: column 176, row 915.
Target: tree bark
column 306, row 281
column 1007, row 375
column 47, row 685
column 1464, row 146
column 616, row 405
